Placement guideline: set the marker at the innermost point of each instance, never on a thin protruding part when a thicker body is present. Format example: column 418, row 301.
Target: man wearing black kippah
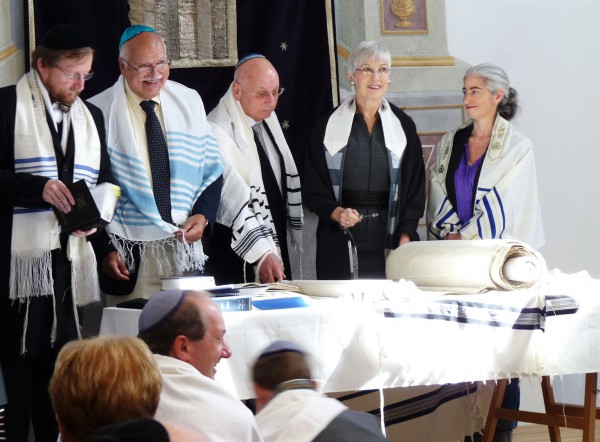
column 49, row 138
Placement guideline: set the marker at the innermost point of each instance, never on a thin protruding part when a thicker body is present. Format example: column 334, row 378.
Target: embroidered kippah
column 159, row 308
column 63, row 37
column 281, row 347
column 248, row 58
column 132, row 31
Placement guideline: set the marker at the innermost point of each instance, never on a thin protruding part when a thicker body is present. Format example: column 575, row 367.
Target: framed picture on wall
column 404, row 17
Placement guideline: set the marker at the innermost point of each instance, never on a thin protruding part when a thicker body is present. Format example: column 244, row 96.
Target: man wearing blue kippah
column 262, row 185
column 167, row 163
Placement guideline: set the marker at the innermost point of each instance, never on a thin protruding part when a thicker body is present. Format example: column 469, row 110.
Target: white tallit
column 339, row 126
column 506, row 203
column 297, row 415
column 35, row 232
column 194, row 161
column 230, row 117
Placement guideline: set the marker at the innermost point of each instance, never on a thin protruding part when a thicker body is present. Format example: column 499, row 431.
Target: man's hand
column 114, row 267
column 82, row 233
column 271, row 269
column 193, row 228
column 58, row 195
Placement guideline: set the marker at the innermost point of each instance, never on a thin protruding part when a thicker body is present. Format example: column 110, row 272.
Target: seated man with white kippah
column 290, row 409
column 185, row 331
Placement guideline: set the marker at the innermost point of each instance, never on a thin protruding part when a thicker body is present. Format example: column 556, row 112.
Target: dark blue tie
column 159, row 161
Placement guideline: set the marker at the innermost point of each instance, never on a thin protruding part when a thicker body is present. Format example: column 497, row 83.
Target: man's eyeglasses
column 264, row 94
column 84, row 77
column 368, row 71
column 149, row 68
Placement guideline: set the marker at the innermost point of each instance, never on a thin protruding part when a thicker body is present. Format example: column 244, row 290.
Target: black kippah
column 62, row 37
column 136, row 430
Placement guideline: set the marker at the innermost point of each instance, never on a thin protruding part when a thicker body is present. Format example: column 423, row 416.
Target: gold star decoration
column 283, row 46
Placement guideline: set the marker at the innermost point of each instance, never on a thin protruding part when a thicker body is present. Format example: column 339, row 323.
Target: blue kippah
column 132, row 31
column 281, row 347
column 159, row 308
column 247, row 58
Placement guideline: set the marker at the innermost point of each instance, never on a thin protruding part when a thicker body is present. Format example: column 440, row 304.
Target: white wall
column 551, row 52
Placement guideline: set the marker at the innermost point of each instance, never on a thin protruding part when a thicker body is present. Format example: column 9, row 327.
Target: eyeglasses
column 84, row 77
column 384, row 70
column 264, row 94
column 148, row 68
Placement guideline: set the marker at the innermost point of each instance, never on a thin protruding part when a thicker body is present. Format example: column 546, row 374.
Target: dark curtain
column 292, row 34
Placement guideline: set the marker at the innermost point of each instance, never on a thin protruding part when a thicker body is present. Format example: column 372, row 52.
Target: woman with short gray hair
column 364, row 174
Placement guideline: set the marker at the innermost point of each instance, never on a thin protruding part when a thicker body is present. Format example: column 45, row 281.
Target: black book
column 92, row 209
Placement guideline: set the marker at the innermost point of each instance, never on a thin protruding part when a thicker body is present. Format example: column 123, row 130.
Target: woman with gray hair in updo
column 483, row 185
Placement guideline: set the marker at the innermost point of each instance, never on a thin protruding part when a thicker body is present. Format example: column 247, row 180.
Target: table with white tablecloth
column 420, row 339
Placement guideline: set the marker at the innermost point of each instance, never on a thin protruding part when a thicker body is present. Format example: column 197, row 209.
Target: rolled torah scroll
column 467, row 265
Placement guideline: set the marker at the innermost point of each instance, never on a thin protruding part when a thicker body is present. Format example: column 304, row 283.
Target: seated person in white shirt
column 290, row 408
column 186, row 332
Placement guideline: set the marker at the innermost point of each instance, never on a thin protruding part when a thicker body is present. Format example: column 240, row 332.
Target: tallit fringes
column 189, row 257
column 30, row 276
column 84, row 281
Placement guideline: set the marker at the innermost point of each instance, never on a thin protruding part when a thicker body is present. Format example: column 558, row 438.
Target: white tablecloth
column 433, row 339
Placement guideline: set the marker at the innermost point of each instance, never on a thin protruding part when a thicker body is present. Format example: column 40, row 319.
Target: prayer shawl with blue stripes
column 336, row 137
column 506, row 203
column 195, row 163
column 35, row 232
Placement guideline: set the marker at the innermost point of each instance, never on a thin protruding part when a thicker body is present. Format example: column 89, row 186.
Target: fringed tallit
column 35, row 232
column 251, row 237
column 194, row 161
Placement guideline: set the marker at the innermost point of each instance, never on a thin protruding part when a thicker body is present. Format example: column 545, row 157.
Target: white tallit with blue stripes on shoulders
column 506, row 204
column 194, row 161
column 35, row 231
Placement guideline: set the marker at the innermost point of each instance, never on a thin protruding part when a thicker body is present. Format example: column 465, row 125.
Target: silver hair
column 366, row 51
column 495, row 79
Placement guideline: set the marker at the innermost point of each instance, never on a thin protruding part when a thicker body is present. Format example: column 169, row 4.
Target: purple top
column 464, row 180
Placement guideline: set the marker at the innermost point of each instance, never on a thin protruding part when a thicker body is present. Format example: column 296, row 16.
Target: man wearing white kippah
column 261, row 194
column 186, row 332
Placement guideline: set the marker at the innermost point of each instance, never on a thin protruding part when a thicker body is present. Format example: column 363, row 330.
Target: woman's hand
column 453, row 236
column 404, row 238
column 346, row 218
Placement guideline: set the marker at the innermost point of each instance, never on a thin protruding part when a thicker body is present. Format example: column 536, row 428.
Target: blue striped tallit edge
column 491, row 315
column 417, row 406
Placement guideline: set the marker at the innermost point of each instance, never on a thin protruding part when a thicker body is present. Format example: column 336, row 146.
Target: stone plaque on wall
column 197, row 32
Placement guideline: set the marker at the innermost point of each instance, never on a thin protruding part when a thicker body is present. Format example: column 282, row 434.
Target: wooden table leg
column 589, row 406
column 548, row 395
column 492, row 419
